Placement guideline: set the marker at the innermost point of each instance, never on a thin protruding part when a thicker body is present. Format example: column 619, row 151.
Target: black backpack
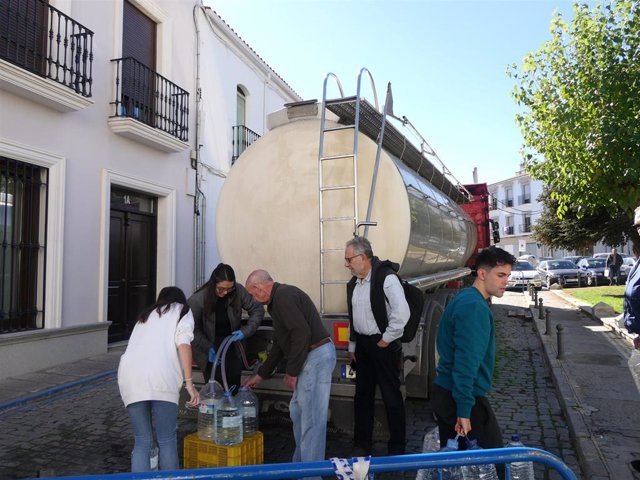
column 415, row 299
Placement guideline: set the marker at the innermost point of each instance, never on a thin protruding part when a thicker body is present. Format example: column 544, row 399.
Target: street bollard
column 560, row 329
column 547, row 330
column 540, row 310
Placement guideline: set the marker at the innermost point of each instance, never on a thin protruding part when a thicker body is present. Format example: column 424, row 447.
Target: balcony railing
column 146, row 96
column 524, row 228
column 242, row 138
column 508, row 202
column 524, row 199
column 41, row 39
column 493, row 205
column 508, row 230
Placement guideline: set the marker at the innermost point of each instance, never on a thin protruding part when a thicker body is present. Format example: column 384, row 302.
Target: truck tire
column 432, row 322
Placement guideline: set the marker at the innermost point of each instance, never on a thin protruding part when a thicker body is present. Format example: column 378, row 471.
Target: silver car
column 524, row 274
column 562, row 272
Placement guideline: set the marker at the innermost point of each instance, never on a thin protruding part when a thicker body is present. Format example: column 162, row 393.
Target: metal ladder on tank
column 325, row 217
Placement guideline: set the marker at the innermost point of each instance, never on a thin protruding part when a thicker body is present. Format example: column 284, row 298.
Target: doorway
column 132, row 260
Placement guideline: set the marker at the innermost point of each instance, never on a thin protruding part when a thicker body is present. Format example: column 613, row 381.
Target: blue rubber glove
column 237, row 336
column 212, row 354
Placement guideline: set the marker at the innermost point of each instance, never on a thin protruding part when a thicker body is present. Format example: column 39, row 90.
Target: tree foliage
column 580, row 118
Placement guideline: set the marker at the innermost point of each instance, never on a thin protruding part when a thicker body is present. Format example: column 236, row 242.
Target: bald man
column 300, row 337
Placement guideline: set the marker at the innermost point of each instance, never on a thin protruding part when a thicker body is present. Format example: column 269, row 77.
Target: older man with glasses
column 378, row 313
column 632, row 292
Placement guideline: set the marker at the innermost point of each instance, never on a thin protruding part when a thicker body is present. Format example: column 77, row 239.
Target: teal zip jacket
column 467, row 346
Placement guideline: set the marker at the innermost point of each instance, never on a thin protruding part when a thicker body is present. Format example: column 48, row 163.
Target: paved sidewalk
column 595, row 386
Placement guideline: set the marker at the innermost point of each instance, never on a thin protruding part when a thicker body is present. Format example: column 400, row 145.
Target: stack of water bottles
column 519, row 470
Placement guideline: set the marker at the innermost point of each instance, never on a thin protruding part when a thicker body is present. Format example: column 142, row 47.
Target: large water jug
column 430, row 444
column 478, row 472
column 154, row 456
column 520, row 470
column 448, row 473
column 228, row 421
column 210, row 395
column 248, row 403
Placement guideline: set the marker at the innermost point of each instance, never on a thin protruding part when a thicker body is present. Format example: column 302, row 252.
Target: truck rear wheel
column 432, row 322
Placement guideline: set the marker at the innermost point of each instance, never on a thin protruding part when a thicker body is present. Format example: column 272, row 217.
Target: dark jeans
column 484, row 425
column 378, row 366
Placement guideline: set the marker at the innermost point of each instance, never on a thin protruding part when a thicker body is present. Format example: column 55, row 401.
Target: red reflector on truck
column 341, row 334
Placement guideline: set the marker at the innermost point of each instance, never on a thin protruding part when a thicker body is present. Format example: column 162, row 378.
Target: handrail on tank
column 394, row 463
column 324, row 85
column 373, row 86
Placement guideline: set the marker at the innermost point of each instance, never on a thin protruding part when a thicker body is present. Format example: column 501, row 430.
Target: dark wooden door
column 132, row 270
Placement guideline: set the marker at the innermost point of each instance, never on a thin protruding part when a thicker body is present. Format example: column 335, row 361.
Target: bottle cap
column 515, row 438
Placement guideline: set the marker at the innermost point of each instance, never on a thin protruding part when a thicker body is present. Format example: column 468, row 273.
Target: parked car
column 593, row 269
column 523, row 274
column 627, row 265
column 573, row 258
column 532, row 259
column 562, row 272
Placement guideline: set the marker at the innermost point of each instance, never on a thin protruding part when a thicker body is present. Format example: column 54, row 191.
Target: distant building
column 513, row 204
column 119, row 123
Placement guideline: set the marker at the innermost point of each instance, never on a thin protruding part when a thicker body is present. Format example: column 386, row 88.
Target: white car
column 524, row 274
column 627, row 265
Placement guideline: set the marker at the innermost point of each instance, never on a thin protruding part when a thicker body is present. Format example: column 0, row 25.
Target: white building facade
column 514, row 206
column 116, row 133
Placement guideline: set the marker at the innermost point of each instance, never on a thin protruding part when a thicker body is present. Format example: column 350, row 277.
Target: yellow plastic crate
column 203, row 454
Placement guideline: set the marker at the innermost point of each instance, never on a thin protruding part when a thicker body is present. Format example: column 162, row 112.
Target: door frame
column 166, row 233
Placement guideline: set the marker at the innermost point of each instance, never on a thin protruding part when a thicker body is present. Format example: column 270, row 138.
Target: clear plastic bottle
column 153, row 456
column 430, row 444
column 228, row 421
column 210, row 395
column 520, row 470
column 478, row 472
column 248, row 403
column 448, row 473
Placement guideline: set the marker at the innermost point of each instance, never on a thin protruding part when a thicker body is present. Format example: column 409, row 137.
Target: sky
column 446, row 61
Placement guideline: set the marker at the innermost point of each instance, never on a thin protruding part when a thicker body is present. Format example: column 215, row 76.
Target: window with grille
column 23, row 207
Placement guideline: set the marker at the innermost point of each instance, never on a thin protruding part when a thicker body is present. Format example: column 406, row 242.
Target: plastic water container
column 228, row 421
column 430, row 444
column 478, row 472
column 520, row 470
column 448, row 473
column 153, row 456
column 248, row 403
column 210, row 395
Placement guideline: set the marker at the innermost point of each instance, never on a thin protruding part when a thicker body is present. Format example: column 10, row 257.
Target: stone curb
column 586, row 449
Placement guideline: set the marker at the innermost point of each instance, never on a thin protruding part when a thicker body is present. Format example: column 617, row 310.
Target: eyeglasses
column 348, row 259
column 222, row 290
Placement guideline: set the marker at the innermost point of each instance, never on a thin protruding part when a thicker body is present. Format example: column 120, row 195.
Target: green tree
column 580, row 118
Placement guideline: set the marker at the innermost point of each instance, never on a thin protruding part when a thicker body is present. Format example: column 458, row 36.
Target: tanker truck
column 297, row 194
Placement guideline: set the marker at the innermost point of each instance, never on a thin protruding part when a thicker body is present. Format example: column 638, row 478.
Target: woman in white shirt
column 150, row 377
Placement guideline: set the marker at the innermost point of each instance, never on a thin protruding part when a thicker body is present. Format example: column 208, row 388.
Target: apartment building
column 119, row 122
column 514, row 206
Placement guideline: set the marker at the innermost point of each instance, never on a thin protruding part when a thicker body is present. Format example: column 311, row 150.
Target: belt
column 324, row 341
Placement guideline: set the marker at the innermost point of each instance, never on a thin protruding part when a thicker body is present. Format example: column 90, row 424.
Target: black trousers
column 484, row 424
column 381, row 367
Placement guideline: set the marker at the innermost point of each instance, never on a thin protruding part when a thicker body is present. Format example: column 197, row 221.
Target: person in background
column 631, row 313
column 466, row 343
column 217, row 309
column 378, row 313
column 151, row 374
column 300, row 337
column 614, row 262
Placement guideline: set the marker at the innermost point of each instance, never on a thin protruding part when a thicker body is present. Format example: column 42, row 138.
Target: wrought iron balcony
column 524, row 228
column 524, row 199
column 146, row 96
column 242, row 138
column 508, row 230
column 41, row 39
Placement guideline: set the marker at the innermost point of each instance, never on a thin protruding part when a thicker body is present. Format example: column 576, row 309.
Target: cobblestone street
column 86, row 430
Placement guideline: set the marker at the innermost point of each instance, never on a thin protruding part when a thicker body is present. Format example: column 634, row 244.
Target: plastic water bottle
column 210, row 395
column 430, row 444
column 248, row 403
column 228, row 421
column 153, row 456
column 448, row 473
column 520, row 470
column 478, row 472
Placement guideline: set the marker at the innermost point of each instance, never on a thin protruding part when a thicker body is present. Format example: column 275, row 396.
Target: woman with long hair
column 151, row 373
column 217, row 309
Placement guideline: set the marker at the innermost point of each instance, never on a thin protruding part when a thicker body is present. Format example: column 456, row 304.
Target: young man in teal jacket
column 467, row 347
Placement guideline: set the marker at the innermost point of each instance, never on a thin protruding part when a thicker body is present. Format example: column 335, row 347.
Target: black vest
column 379, row 271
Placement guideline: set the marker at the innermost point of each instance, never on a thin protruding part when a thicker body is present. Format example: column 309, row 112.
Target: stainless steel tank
column 268, row 211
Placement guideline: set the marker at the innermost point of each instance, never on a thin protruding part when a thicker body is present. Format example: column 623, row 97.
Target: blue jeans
column 309, row 404
column 165, row 415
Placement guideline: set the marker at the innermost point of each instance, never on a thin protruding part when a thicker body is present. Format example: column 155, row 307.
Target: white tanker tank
column 268, row 211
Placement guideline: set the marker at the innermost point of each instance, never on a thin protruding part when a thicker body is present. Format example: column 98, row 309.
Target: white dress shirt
column 398, row 312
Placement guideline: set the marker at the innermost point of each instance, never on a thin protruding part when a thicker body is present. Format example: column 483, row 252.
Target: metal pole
column 540, row 312
column 535, row 296
column 560, row 330
column 547, row 330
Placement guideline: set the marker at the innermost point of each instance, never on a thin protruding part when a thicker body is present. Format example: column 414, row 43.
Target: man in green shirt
column 467, row 347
